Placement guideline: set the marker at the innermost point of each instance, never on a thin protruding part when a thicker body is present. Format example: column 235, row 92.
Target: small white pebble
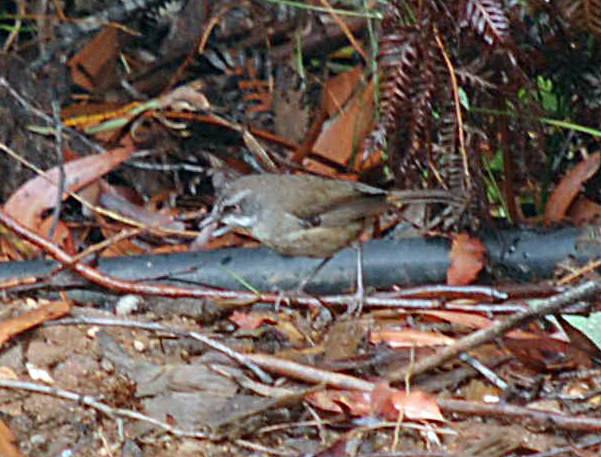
column 489, row 398
column 37, row 374
column 127, row 304
column 107, row 365
column 139, row 346
column 38, row 439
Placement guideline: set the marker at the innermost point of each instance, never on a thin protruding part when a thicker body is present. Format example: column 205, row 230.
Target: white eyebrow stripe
column 237, row 197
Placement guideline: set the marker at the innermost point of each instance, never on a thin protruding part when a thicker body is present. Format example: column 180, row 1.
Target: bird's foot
column 355, row 304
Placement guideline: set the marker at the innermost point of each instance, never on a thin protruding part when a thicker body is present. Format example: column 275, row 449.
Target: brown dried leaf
column 394, row 403
column 94, row 66
column 339, row 89
column 407, row 337
column 8, row 442
column 417, row 405
column 569, row 187
column 545, row 354
column 37, row 195
column 15, row 325
column 342, row 447
column 383, row 400
column 357, row 402
column 340, row 136
column 473, row 320
column 584, row 210
column 119, row 204
column 467, row 259
column 252, row 320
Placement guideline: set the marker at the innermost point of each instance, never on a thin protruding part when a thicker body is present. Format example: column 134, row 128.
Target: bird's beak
column 207, row 221
column 221, row 231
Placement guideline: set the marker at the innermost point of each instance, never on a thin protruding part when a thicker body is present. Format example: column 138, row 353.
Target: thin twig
column 58, row 146
column 88, row 400
column 538, row 308
column 448, row 405
column 41, row 114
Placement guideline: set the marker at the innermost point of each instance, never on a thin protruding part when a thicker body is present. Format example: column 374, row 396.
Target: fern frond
column 487, row 18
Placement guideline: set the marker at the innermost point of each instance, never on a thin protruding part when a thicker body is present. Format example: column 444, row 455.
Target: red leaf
column 467, row 259
column 569, row 187
column 417, row 405
column 382, row 401
column 37, row 195
column 250, row 321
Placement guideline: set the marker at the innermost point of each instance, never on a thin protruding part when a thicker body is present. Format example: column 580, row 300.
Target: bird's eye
column 231, row 209
column 310, row 222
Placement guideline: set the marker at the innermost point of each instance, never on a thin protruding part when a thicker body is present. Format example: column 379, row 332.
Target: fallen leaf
column 467, row 259
column 417, row 405
column 342, row 447
column 584, row 210
column 340, row 88
column 569, row 187
column 15, row 325
column 250, row 321
column 407, row 337
column 357, row 402
column 120, row 205
column 479, row 390
column 473, row 320
column 341, row 134
column 382, row 401
column 8, row 442
column 548, row 354
column 394, row 403
column 93, row 67
column 37, row 195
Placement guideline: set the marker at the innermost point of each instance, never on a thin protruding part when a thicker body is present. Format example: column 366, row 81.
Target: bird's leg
column 307, row 279
column 356, row 304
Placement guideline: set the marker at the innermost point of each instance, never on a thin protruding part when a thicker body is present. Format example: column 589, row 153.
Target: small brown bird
column 305, row 215
column 312, row 216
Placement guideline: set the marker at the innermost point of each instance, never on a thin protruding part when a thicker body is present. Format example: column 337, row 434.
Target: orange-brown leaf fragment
column 569, row 187
column 417, row 405
column 8, row 446
column 339, row 89
column 383, row 401
column 394, row 403
column 473, row 320
column 339, row 136
column 251, row 321
column 357, row 402
column 15, row 325
column 467, row 259
column 584, row 210
column 407, row 337
column 94, row 66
